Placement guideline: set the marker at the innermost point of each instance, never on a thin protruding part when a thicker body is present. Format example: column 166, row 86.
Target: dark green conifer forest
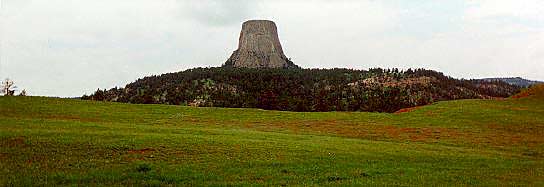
column 303, row 90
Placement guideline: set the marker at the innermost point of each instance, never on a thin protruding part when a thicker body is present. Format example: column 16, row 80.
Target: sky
column 68, row 48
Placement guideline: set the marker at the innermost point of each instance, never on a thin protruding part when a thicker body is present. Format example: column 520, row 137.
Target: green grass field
column 48, row 141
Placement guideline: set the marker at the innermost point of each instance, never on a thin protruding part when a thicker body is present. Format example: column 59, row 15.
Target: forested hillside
column 378, row 89
column 518, row 81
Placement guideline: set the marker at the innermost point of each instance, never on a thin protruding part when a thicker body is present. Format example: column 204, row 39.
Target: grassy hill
column 48, row 141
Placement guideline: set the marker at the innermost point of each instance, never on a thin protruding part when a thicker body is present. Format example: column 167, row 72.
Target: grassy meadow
column 66, row 142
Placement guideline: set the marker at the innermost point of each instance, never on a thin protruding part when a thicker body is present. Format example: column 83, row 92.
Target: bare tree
column 8, row 87
column 23, row 93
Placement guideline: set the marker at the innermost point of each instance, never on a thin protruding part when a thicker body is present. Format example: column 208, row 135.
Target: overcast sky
column 72, row 47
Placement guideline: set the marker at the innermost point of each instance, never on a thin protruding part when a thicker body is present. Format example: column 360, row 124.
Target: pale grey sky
column 73, row 47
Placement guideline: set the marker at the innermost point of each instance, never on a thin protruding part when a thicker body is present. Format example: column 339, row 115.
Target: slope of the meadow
column 48, row 141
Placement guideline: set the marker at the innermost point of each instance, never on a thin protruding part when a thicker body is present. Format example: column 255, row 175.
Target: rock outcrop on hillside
column 259, row 47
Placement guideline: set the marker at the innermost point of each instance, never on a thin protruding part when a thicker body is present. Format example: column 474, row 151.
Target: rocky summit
column 259, row 47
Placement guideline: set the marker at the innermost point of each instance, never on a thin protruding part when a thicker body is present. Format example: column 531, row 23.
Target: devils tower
column 259, row 47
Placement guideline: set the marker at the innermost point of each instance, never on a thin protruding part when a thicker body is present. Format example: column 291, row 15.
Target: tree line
column 304, row 90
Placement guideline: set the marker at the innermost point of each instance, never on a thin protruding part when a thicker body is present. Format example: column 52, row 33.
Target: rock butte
column 259, row 47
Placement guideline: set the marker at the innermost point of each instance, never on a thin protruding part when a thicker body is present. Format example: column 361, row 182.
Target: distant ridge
column 517, row 81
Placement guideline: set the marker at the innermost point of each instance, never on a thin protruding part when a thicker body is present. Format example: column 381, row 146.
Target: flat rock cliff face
column 259, row 47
